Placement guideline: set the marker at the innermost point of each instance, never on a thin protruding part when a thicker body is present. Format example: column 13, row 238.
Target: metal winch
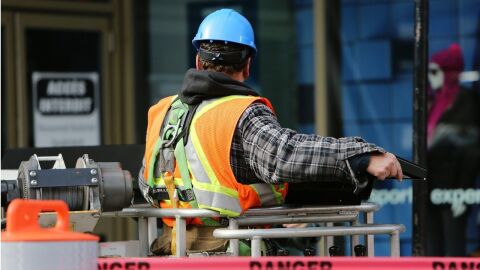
column 101, row 186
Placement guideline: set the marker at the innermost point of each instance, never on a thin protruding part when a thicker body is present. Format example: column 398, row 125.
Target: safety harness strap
column 181, row 158
column 172, row 151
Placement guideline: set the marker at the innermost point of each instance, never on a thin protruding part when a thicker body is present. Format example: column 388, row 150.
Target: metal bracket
column 63, row 177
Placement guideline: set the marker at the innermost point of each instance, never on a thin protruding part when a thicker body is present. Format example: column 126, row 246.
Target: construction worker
column 218, row 145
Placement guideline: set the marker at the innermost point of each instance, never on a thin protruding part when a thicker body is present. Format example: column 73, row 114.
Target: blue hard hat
column 225, row 25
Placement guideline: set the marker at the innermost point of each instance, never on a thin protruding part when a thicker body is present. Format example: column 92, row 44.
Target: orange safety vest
column 208, row 155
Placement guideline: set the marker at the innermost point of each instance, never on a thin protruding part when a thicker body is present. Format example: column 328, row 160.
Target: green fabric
column 244, row 249
column 181, row 159
column 153, row 157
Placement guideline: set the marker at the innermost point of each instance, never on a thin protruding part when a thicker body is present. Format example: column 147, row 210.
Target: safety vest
column 208, row 157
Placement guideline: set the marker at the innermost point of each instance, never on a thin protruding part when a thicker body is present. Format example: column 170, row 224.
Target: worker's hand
column 384, row 165
column 295, row 225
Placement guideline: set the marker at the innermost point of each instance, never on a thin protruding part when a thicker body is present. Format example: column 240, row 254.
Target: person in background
column 453, row 159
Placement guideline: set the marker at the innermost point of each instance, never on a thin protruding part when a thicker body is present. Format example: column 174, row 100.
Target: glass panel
column 376, row 41
column 4, row 97
column 377, row 60
column 305, row 65
column 173, row 24
column 62, row 52
column 453, row 132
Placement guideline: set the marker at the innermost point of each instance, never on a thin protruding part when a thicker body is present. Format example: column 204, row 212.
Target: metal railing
column 147, row 222
column 256, row 235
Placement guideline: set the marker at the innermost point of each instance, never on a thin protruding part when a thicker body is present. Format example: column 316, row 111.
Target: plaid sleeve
column 277, row 154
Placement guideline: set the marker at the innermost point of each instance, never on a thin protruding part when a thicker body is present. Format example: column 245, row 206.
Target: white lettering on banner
column 391, row 196
column 65, row 105
column 458, row 198
column 66, row 88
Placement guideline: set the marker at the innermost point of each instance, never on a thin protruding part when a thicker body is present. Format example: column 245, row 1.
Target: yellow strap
column 170, row 185
column 173, row 244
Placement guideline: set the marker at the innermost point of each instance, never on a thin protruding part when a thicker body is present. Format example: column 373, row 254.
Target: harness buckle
column 188, row 195
column 169, row 183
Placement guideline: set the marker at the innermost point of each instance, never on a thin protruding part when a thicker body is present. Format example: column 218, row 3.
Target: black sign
column 65, row 96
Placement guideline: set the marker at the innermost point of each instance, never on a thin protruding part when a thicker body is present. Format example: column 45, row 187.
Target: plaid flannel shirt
column 263, row 151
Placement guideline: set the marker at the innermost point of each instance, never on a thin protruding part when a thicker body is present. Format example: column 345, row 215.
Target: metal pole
column 420, row 190
column 354, row 239
column 152, row 230
column 369, row 240
column 181, row 236
column 234, row 243
column 256, row 247
column 395, row 244
column 143, row 236
column 328, row 239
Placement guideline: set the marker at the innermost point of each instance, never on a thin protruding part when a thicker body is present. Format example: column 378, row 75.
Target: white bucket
column 27, row 246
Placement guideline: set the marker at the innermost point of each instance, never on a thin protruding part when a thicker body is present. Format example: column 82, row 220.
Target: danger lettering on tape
column 124, row 265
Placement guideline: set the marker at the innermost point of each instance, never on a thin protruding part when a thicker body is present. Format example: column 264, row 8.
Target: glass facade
column 377, row 61
column 173, row 24
column 304, row 53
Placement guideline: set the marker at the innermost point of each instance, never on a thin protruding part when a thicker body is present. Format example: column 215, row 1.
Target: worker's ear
column 246, row 69
column 198, row 65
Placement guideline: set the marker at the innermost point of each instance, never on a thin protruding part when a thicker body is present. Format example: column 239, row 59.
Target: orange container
column 26, row 245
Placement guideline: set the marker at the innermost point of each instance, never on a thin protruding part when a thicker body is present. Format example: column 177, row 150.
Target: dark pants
column 446, row 234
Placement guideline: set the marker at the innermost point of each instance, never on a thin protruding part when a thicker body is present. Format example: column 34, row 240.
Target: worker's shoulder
column 255, row 111
column 258, row 107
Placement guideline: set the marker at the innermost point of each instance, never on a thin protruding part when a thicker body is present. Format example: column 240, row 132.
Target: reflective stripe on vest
column 266, row 193
column 210, row 180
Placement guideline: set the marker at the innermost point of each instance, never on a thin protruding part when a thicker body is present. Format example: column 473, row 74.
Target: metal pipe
column 391, row 229
column 309, row 232
column 420, row 190
column 152, row 230
column 258, row 220
column 162, row 212
column 256, row 247
column 234, row 244
column 143, row 236
column 354, row 239
column 328, row 239
column 181, row 236
column 49, row 158
column 395, row 244
column 369, row 240
column 282, row 210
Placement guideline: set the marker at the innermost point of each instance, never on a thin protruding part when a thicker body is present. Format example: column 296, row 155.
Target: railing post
column 369, row 240
column 143, row 236
column 234, row 244
column 181, row 237
column 152, row 230
column 256, row 246
column 354, row 239
column 395, row 244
